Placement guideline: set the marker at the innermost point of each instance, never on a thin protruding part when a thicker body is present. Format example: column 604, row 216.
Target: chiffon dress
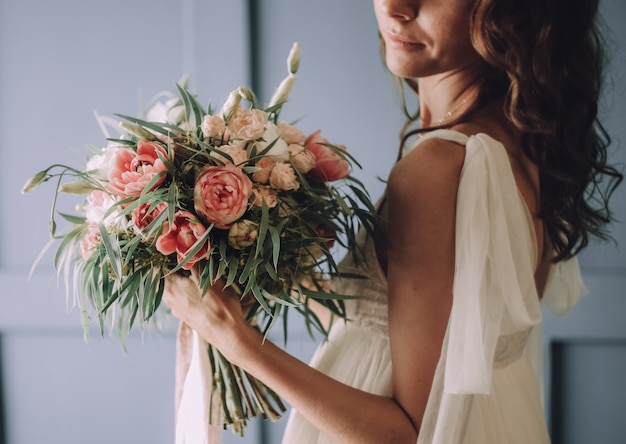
column 486, row 388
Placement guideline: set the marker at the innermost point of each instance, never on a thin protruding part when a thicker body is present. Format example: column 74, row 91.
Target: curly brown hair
column 546, row 59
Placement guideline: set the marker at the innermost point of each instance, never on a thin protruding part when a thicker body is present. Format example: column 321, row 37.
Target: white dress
column 485, row 390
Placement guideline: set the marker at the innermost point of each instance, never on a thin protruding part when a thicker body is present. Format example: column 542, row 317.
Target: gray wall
column 60, row 61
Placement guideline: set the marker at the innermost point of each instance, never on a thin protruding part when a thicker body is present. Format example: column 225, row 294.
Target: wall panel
column 59, row 62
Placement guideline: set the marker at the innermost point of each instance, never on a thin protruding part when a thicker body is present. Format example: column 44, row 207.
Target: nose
column 404, row 10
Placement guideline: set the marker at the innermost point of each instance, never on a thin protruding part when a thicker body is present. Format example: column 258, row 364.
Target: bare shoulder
column 434, row 165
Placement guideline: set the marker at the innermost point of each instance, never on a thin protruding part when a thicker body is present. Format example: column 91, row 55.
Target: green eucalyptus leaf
column 159, row 128
column 258, row 295
column 78, row 220
column 275, row 236
column 113, row 251
column 233, row 266
column 263, row 225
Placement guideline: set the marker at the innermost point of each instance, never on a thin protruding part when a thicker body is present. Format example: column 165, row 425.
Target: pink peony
column 179, row 236
column 142, row 217
column 329, row 165
column 132, row 171
column 221, row 194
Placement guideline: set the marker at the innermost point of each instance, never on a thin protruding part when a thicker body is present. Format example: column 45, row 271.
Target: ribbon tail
column 193, row 418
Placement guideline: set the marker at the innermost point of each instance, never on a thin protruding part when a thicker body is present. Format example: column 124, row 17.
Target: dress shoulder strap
column 495, row 259
column 444, row 134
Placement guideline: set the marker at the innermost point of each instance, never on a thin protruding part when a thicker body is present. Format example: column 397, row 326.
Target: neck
column 444, row 97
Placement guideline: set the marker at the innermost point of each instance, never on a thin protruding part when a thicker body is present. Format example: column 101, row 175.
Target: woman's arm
column 421, row 202
column 342, row 412
column 422, row 193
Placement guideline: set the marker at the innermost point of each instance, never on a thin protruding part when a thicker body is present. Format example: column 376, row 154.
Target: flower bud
column 246, row 94
column 283, row 90
column 293, row 60
column 79, row 187
column 242, row 234
column 231, row 105
column 138, row 131
column 32, row 183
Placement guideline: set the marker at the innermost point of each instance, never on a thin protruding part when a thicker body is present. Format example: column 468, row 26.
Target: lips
column 400, row 41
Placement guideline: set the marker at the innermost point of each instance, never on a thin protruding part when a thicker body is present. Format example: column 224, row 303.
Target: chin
column 408, row 65
column 404, row 69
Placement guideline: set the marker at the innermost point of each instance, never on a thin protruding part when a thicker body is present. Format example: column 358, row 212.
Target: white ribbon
column 193, row 416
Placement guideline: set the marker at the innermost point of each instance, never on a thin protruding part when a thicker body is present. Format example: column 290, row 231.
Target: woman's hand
column 217, row 316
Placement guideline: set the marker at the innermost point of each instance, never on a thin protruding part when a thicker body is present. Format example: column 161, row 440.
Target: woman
column 479, row 216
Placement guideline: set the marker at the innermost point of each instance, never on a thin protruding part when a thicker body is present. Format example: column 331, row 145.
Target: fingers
column 195, row 274
column 179, row 291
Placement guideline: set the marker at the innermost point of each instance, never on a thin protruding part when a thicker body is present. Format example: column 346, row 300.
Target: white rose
column 98, row 204
column 101, row 164
column 272, row 135
column 165, row 112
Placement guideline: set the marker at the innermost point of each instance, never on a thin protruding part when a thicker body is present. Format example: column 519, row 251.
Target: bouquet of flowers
column 239, row 194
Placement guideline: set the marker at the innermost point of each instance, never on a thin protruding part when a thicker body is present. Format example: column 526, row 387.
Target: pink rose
column 180, row 236
column 263, row 175
column 265, row 193
column 221, row 194
column 301, row 158
column 142, row 216
column 96, row 207
column 247, row 124
column 213, row 126
column 289, row 133
column 329, row 165
column 132, row 171
column 236, row 153
column 90, row 240
column 283, row 177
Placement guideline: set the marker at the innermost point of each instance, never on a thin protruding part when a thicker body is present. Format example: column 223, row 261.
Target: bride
column 485, row 210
